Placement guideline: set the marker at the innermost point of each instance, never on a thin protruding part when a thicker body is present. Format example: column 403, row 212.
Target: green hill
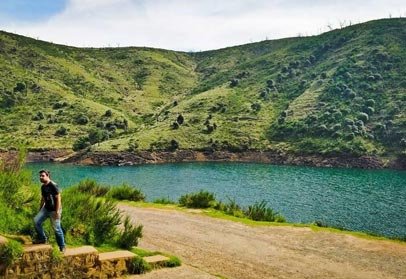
column 342, row 92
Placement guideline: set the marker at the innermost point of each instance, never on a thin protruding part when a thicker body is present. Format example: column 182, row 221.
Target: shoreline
column 124, row 158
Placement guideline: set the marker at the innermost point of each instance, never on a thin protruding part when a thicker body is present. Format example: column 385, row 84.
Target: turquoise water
column 372, row 201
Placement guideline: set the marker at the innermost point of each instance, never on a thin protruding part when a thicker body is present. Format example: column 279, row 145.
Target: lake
column 372, row 201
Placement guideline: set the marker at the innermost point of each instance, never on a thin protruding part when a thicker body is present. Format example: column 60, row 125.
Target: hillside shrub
column 62, row 131
column 108, row 113
column 201, row 199
column 139, row 266
column 369, row 110
column 260, row 212
column 38, row 116
column 81, row 143
column 129, row 235
column 180, row 119
column 89, row 186
column 363, row 116
column 20, row 87
column 370, row 102
column 126, row 192
column 10, row 252
column 234, row 82
column 81, row 119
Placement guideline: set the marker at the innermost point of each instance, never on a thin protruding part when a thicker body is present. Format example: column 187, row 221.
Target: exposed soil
column 209, row 246
column 273, row 157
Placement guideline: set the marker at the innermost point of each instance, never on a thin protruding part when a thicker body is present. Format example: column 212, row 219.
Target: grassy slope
column 319, row 85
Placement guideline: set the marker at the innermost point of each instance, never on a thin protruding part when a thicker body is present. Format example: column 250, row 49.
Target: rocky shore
column 156, row 157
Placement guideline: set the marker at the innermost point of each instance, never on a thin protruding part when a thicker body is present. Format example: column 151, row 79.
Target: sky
column 186, row 25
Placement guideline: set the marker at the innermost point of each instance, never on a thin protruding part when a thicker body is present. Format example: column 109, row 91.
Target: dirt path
column 219, row 247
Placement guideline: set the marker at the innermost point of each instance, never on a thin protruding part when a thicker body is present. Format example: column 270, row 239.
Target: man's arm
column 58, row 203
column 41, row 203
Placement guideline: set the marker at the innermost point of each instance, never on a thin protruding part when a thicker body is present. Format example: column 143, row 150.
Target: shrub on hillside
column 201, row 199
column 108, row 113
column 91, row 187
column 260, row 212
column 234, row 82
column 62, row 131
column 130, row 235
column 139, row 266
column 81, row 119
column 81, row 143
column 363, row 116
column 126, row 192
column 38, row 116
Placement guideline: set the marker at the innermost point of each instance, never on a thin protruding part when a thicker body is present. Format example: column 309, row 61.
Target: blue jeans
column 42, row 215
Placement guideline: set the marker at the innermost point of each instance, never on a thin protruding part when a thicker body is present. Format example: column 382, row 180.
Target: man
column 51, row 207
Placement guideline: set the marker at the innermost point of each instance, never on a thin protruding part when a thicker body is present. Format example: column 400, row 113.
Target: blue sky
column 189, row 25
column 30, row 10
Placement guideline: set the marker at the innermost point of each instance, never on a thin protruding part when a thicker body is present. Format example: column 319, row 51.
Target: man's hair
column 47, row 172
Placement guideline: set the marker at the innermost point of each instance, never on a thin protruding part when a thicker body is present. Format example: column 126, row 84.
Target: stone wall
column 38, row 262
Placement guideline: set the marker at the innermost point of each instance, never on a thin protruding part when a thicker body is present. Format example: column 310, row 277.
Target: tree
column 97, row 135
column 180, row 119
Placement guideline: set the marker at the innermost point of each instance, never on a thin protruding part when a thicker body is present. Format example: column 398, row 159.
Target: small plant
column 260, row 212
column 81, row 119
column 11, row 252
column 173, row 262
column 62, row 131
column 202, row 199
column 126, row 192
column 56, row 256
column 108, row 113
column 130, row 235
column 138, row 266
column 91, row 187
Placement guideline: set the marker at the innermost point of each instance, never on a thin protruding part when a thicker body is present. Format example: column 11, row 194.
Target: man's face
column 43, row 177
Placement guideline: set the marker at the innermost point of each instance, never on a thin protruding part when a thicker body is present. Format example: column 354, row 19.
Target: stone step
column 156, row 261
column 70, row 252
column 115, row 264
column 107, row 256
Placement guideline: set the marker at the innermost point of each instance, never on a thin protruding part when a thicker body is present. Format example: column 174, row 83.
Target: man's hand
column 56, row 215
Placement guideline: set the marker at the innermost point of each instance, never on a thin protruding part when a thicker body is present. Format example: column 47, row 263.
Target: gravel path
column 211, row 247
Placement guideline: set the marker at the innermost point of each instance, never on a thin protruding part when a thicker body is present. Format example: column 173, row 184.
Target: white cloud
column 196, row 25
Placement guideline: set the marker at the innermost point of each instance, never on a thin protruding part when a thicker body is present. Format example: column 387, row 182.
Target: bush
column 234, row 82
column 62, row 131
column 369, row 110
column 81, row 143
column 38, row 116
column 91, row 187
column 10, row 252
column 130, row 235
column 126, row 192
column 260, row 212
column 81, row 119
column 20, row 87
column 202, row 199
column 108, row 113
column 370, row 102
column 363, row 116
column 139, row 266
column 88, row 219
column 173, row 262
column 180, row 119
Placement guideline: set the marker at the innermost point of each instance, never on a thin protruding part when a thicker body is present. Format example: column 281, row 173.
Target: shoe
column 40, row 241
column 62, row 249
